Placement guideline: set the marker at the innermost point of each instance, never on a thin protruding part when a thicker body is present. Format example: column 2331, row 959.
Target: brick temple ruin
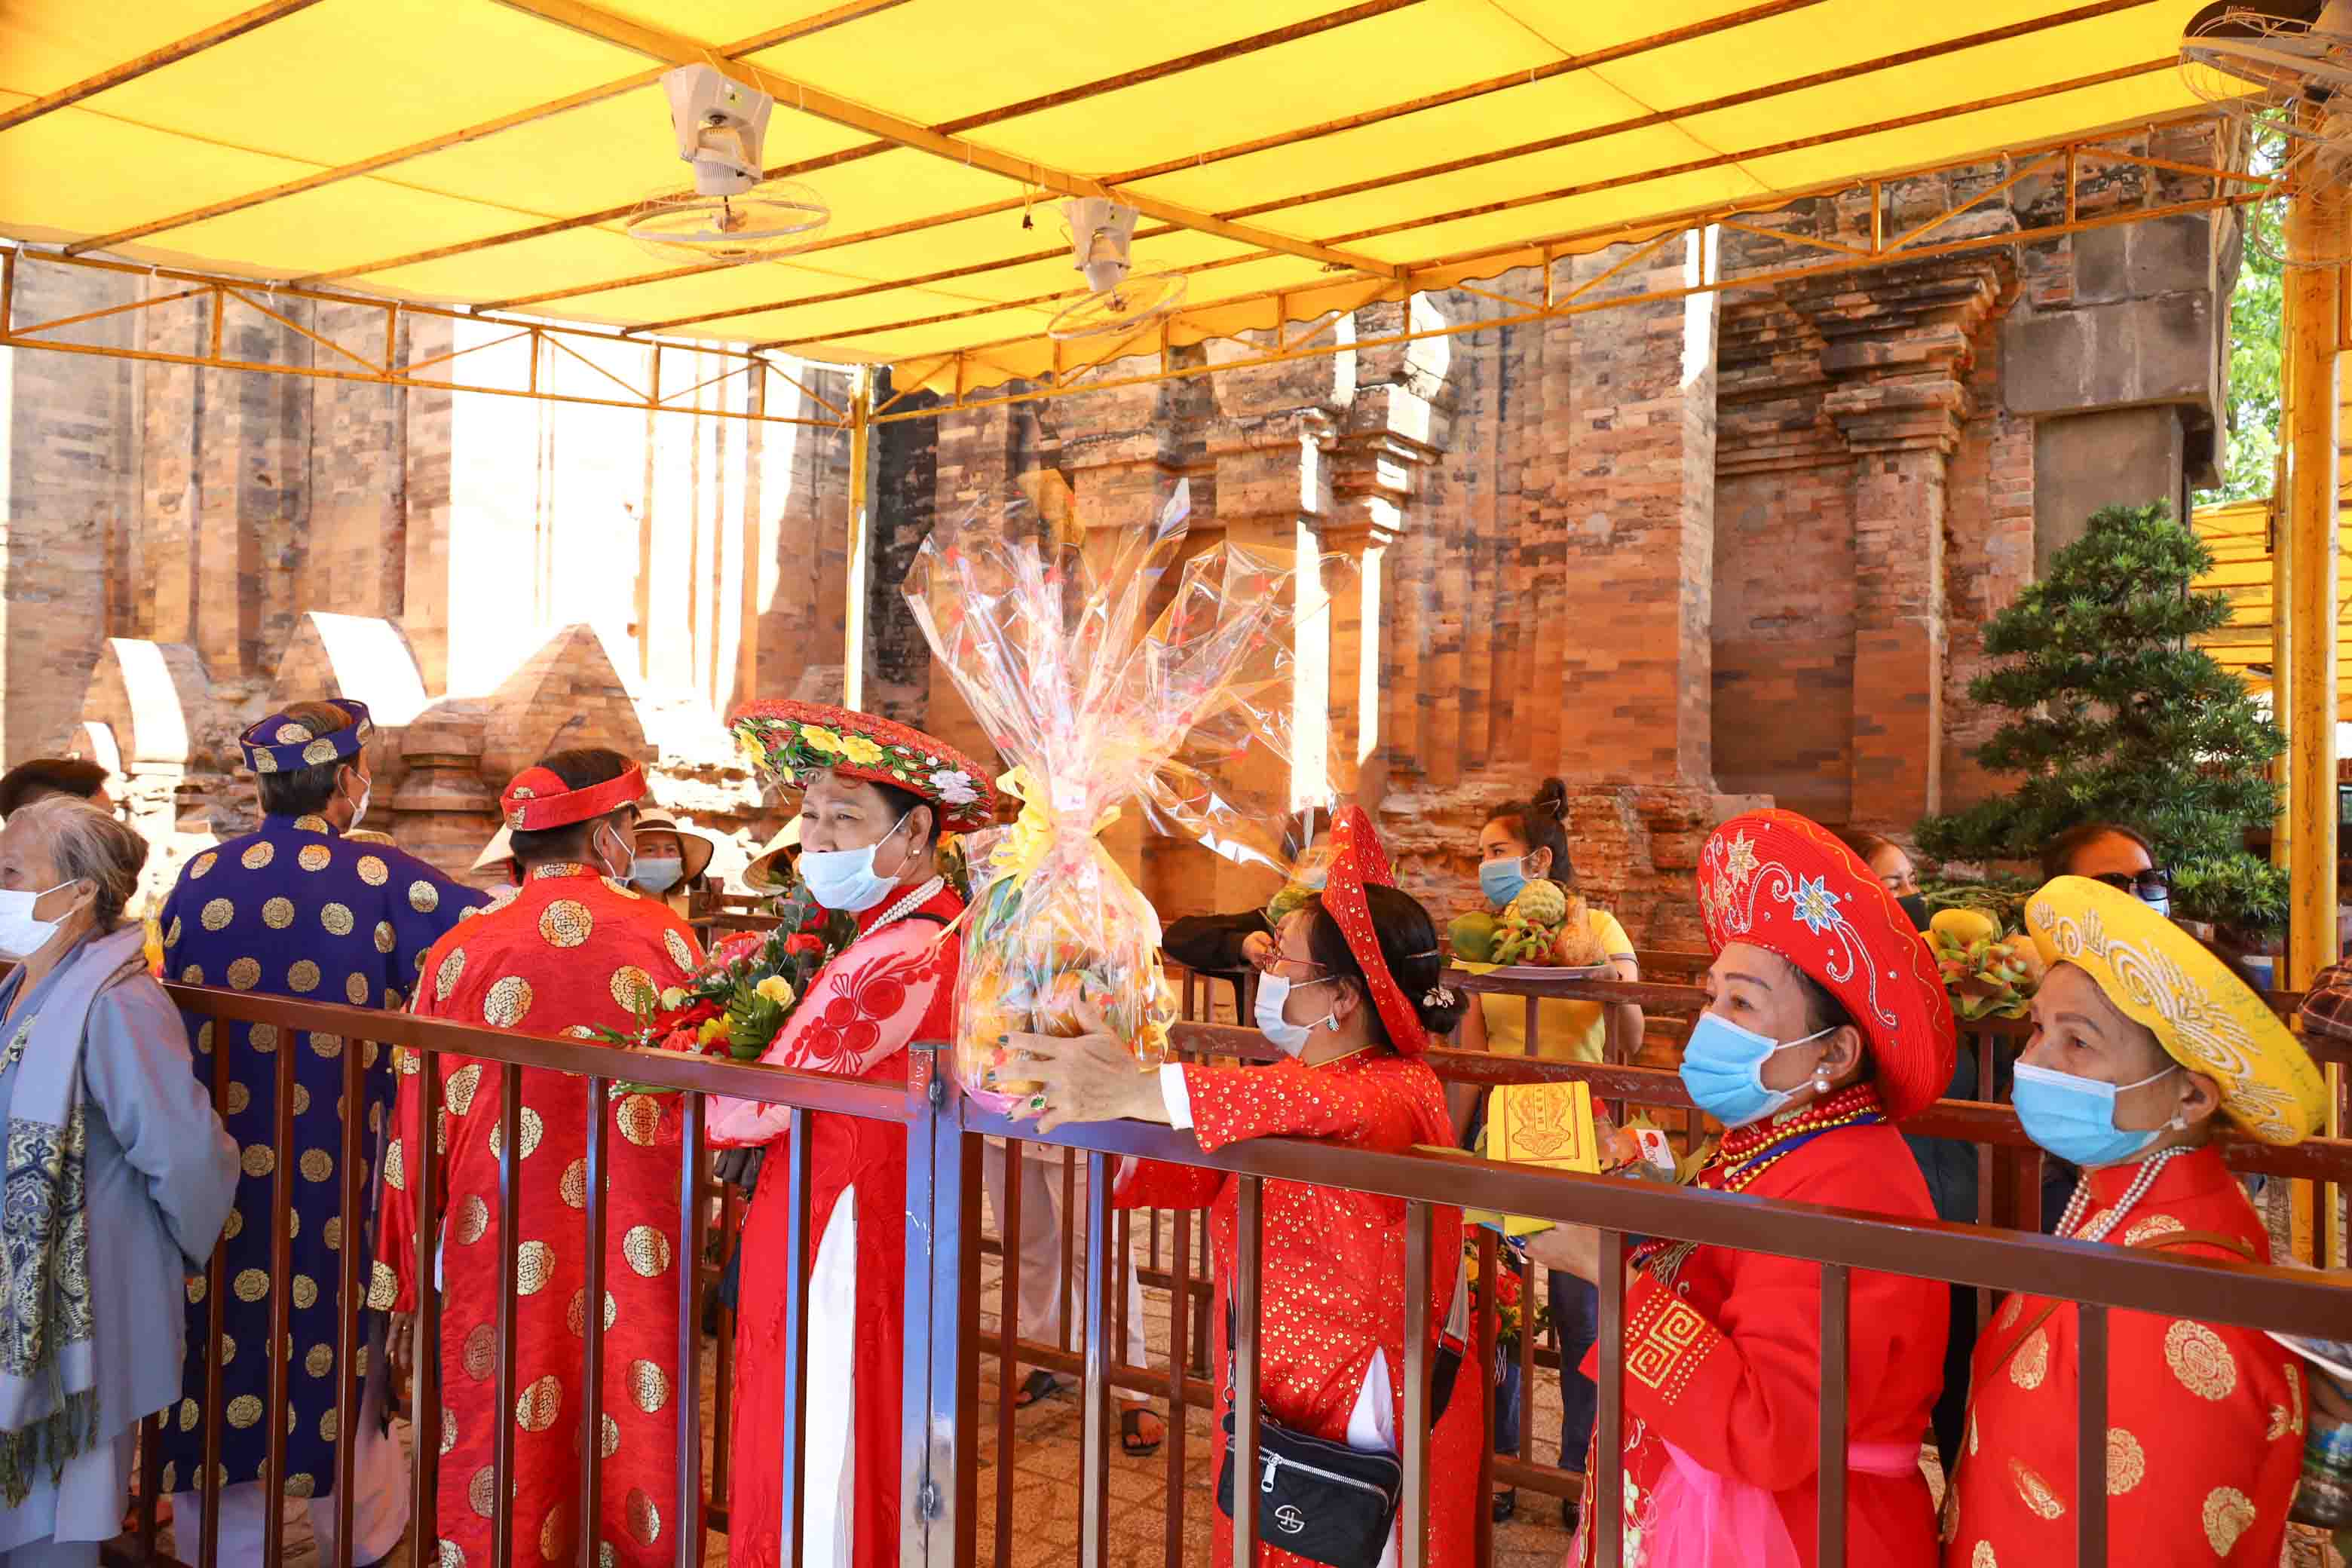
column 1674, row 550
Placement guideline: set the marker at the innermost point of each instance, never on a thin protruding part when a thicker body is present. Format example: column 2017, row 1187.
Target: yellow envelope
column 1546, row 1124
column 1510, row 1224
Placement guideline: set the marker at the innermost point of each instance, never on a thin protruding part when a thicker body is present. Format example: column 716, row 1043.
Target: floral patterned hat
column 790, row 741
column 1782, row 882
column 2205, row 1017
column 283, row 744
column 538, row 798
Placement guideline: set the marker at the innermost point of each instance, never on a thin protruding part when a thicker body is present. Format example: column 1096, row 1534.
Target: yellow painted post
column 2282, row 606
column 860, row 565
column 2313, row 226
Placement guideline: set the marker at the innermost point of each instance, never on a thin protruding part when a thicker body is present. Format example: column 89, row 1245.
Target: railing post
column 939, row 1473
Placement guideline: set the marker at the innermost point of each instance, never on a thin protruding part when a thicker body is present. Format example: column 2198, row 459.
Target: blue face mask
column 1273, row 996
column 2073, row 1117
column 844, row 879
column 1723, row 1067
column 1501, row 881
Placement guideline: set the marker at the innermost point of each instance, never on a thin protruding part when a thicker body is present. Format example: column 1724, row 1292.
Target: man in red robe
column 574, row 951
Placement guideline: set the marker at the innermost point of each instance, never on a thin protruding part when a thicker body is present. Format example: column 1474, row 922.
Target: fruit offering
column 1988, row 974
column 1473, row 936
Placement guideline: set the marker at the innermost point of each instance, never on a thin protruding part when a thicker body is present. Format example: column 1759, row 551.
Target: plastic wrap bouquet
column 1109, row 666
column 1989, row 975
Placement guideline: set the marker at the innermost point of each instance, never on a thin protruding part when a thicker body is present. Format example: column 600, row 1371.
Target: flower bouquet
column 1106, row 667
column 1988, row 974
column 1510, row 1297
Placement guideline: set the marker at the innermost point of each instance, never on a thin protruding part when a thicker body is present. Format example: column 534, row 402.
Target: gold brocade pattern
column 257, row 855
column 337, row 919
column 305, row 1291
column 631, row 987
column 1982, row 1556
column 2031, row 1364
column 458, row 1092
column 481, row 1352
column 566, row 923
column 679, row 954
column 536, row 1406
column 373, row 871
column 608, row 1436
column 190, row 1413
column 534, row 1265
column 355, row 989
column 575, row 1183
column 2199, row 1359
column 2126, row 1465
column 320, row 1361
column 332, row 1233
column 252, row 1285
column 239, row 1097
column 328, row 1046
column 383, row 1287
column 575, row 1315
column 302, row 977
column 244, row 1410
column 647, row 1250
column 423, row 897
column 649, row 1386
column 301, row 1483
column 639, row 1117
column 2228, row 1515
column 482, row 1491
column 201, row 865
column 171, row 936
column 533, row 1130
column 473, row 1220
column 2151, row 1228
column 315, row 857
column 258, row 1160
column 310, row 821
column 645, row 1519
column 217, row 914
column 386, row 938
column 317, row 1164
column 506, row 1001
column 245, row 974
column 2035, row 1491
column 193, row 975
column 396, row 1165
column 263, row 1038
column 556, row 1541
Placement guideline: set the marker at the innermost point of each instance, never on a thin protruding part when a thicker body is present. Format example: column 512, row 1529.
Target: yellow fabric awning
column 1292, row 156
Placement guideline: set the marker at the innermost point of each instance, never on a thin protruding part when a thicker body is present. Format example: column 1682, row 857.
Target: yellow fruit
column 1964, row 927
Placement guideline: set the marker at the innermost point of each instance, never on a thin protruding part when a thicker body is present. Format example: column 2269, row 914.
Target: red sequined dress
column 1333, row 1276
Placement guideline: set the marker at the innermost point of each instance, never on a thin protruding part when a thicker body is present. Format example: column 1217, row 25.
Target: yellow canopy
column 1291, row 156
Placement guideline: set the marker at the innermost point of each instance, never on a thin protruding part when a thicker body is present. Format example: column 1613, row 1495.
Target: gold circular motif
column 566, row 923
column 172, row 936
column 506, row 1001
column 301, row 1483
column 328, row 1046
column 575, row 1183
column 536, row 1406
column 1982, row 1556
column 2008, row 1313
column 278, row 913
column 555, row 1539
column 639, row 1118
column 649, row 1386
column 629, row 984
column 534, row 1265
column 608, row 1434
column 320, row 1361
column 190, row 1413
column 2199, row 1359
column 228, row 1349
column 445, row 979
column 2126, row 1466
column 679, row 954
column 373, row 871
column 204, row 1037
column 170, row 1473
column 2228, row 1515
column 458, row 1092
column 482, row 1491
column 262, row 1037
column 216, row 913
column 244, row 1410
column 201, row 864
column 396, row 1165
column 245, row 974
column 355, row 989
column 319, row 751
column 193, row 975
column 647, row 1250
column 332, row 1233
column 258, row 1160
column 423, row 897
column 575, row 1316
column 473, row 1219
column 2031, row 1363
column 448, row 1433
column 645, row 1519
column 257, row 855
column 2151, row 1228
column 302, row 1101
column 306, row 1291
column 317, row 1164
column 452, row 1554
column 386, row 938
column 337, row 919
column 239, row 1097
column 482, row 1351
column 383, row 1287
column 252, row 1285
column 198, row 1289
column 2035, row 1491
column 315, row 857
column 533, row 1130
column 328, row 1426
column 293, row 735
column 302, row 977
column 235, row 1227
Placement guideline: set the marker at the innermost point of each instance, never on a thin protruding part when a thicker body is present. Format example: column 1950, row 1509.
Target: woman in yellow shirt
column 1523, row 840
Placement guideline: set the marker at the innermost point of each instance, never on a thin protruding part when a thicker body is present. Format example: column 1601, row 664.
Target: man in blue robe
column 298, row 910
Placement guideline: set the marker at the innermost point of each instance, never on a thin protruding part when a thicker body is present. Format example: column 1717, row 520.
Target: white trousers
column 379, row 1495
column 1042, row 1299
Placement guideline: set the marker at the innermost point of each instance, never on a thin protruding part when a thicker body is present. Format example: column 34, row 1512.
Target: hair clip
column 1438, row 996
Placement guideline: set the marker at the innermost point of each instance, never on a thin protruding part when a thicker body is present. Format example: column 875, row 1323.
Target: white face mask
column 359, row 812
column 844, row 879
column 22, row 935
column 1273, row 997
column 628, row 856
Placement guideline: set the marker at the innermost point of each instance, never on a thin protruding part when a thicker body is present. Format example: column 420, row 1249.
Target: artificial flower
column 817, row 738
column 673, row 999
column 776, row 989
column 954, row 786
column 864, row 752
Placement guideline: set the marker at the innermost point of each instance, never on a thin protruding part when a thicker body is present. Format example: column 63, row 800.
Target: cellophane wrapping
column 1113, row 671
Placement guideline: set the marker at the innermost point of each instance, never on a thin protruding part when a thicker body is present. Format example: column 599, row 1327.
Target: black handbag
column 1323, row 1500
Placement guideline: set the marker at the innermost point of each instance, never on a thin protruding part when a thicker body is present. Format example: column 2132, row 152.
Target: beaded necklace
column 907, row 905
column 2142, row 1180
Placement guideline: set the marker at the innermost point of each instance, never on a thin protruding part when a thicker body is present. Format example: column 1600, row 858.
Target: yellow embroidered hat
column 2205, row 1017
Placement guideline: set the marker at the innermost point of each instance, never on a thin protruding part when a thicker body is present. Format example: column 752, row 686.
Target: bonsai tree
column 2119, row 717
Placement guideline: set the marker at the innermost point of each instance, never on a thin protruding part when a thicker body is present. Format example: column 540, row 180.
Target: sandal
column 1131, row 1438
column 1039, row 1384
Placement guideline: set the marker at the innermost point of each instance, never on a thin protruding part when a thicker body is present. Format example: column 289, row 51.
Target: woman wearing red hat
column 875, row 797
column 1828, row 1027
column 1351, row 996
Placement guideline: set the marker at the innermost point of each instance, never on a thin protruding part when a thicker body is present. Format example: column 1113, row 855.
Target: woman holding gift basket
column 877, row 795
column 1351, row 997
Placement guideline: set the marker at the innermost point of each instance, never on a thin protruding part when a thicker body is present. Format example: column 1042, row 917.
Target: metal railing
column 940, row 1508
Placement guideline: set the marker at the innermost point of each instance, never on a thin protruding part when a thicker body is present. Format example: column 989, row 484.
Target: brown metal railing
column 944, row 1344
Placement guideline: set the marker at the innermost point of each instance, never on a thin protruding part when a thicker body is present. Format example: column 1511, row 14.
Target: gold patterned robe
column 2205, row 1422
column 566, row 954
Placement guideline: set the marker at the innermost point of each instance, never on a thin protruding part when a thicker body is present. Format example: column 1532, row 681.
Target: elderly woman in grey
column 118, row 1178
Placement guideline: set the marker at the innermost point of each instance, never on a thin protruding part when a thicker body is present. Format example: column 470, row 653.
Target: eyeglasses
column 2151, row 886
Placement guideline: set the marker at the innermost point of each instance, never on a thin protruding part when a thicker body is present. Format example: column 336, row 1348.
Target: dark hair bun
column 1551, row 798
column 1441, row 1019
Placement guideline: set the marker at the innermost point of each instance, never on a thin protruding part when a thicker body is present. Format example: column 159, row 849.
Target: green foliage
column 2255, row 338
column 2002, row 896
column 2117, row 718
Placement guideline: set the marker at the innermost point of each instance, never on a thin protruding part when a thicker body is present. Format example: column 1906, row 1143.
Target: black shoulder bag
column 1323, row 1500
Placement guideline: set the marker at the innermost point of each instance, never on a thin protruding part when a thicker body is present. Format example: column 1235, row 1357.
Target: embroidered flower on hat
column 955, row 788
column 1814, row 904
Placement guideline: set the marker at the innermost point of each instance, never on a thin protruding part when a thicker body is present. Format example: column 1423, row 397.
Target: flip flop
column 1131, row 1432
column 1039, row 1384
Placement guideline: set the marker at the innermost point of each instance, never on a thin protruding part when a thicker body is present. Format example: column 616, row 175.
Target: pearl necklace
column 910, row 904
column 2077, row 1206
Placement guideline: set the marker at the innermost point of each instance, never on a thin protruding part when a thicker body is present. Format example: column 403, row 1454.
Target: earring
column 1821, row 1082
